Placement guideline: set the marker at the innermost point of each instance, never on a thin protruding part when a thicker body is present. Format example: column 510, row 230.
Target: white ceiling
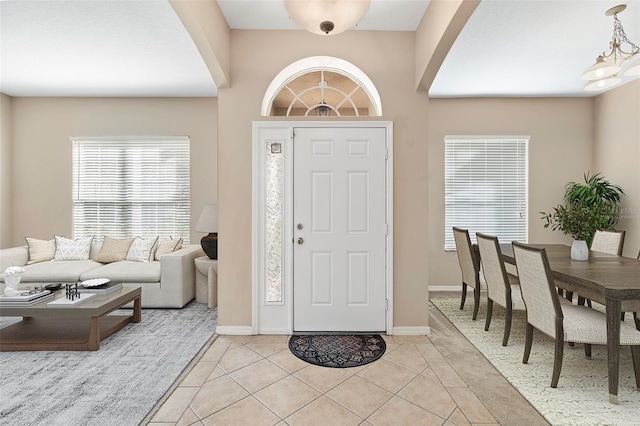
column 140, row 48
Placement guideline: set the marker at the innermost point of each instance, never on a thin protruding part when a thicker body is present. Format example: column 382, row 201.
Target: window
column 486, row 188
column 126, row 187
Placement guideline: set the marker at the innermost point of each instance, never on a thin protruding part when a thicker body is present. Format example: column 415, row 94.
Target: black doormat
column 338, row 351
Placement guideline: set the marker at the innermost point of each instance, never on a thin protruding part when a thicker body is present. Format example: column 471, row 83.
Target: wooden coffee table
column 77, row 328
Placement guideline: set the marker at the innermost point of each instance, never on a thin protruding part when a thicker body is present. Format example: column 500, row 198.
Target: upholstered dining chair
column 470, row 267
column 562, row 321
column 502, row 288
column 610, row 242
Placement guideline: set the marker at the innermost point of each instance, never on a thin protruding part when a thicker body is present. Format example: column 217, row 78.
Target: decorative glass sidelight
column 273, row 222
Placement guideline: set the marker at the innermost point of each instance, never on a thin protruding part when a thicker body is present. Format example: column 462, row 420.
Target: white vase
column 579, row 250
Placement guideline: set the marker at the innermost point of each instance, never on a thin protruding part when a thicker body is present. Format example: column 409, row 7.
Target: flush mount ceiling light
column 604, row 73
column 326, row 17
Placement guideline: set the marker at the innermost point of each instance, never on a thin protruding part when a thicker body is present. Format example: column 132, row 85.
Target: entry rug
column 116, row 385
column 338, row 351
column 582, row 396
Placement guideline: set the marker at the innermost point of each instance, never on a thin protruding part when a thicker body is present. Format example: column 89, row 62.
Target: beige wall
column 41, row 151
column 560, row 150
column 388, row 59
column 5, row 170
column 617, row 153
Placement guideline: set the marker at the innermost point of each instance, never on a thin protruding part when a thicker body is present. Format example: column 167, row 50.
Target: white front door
column 339, row 264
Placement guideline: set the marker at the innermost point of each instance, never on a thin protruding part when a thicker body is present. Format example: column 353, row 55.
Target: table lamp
column 208, row 222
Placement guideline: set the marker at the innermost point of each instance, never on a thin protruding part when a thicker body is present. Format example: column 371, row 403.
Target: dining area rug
column 338, row 350
column 117, row 385
column 581, row 397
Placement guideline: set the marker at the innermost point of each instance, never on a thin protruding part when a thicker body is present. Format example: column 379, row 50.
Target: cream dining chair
column 610, row 242
column 561, row 320
column 470, row 267
column 502, row 288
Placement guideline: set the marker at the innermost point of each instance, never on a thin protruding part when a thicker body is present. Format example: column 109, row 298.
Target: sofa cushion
column 141, row 250
column 126, row 271
column 67, row 249
column 57, row 271
column 40, row 250
column 113, row 250
column 167, row 246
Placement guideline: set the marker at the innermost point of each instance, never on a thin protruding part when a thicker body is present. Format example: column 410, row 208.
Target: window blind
column 127, row 187
column 486, row 187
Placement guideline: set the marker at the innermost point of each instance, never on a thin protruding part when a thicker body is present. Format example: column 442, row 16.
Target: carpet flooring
column 581, row 397
column 338, row 350
column 117, row 385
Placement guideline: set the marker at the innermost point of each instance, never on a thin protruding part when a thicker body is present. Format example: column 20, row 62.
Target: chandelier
column 326, row 17
column 604, row 73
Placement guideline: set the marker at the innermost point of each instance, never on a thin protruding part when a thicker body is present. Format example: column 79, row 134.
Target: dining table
column 609, row 279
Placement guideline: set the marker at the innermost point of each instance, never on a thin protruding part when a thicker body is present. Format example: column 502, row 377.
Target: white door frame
column 277, row 318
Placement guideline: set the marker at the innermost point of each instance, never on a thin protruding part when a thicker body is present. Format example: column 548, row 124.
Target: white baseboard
column 234, row 330
column 411, row 331
column 457, row 288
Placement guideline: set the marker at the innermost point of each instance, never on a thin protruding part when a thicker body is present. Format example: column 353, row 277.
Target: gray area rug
column 117, row 385
column 581, row 397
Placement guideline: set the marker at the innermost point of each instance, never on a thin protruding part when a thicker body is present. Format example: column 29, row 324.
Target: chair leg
column 476, row 302
column 587, row 350
column 487, row 322
column 528, row 341
column 507, row 326
column 635, row 356
column 569, row 296
column 464, row 295
column 637, row 320
column 557, row 362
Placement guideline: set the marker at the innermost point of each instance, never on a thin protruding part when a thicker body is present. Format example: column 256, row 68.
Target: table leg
column 94, row 334
column 613, row 347
column 137, row 310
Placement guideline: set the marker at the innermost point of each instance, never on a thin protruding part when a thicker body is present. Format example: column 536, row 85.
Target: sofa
column 166, row 283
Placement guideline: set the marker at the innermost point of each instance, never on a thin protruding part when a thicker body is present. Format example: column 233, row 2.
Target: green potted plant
column 588, row 207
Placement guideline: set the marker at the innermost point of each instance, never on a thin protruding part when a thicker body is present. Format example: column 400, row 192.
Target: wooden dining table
column 605, row 278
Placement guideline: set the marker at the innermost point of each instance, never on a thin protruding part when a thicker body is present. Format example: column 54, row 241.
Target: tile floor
column 256, row 380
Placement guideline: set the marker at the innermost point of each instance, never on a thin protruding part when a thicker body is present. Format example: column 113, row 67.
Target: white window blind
column 127, row 187
column 486, row 187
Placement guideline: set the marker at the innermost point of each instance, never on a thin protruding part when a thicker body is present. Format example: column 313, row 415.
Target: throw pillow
column 40, row 250
column 113, row 250
column 167, row 246
column 141, row 250
column 67, row 249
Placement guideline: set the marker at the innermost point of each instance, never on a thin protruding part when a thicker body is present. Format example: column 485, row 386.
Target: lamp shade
column 601, row 69
column 326, row 16
column 602, row 83
column 208, row 221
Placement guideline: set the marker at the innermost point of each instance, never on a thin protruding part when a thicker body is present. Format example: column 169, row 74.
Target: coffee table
column 77, row 328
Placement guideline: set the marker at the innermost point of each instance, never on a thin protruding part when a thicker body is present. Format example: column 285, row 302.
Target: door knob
column 300, row 240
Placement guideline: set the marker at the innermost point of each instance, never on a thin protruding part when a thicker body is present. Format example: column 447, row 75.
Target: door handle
column 300, row 240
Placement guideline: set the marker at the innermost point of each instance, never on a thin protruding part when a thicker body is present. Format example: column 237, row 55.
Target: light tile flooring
column 256, row 380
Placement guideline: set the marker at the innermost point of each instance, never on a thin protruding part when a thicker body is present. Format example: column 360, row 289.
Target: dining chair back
column 470, row 267
column 562, row 321
column 610, row 242
column 502, row 287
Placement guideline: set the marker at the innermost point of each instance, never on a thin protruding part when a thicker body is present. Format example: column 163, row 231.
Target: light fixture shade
column 208, row 221
column 314, row 14
column 601, row 69
column 634, row 69
column 602, row 83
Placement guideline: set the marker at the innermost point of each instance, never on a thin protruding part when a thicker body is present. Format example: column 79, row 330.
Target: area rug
column 581, row 397
column 338, row 351
column 116, row 385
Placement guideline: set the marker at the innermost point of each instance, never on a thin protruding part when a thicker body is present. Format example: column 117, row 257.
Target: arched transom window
column 321, row 86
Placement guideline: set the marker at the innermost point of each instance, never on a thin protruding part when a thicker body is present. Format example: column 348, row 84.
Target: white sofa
column 167, row 283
